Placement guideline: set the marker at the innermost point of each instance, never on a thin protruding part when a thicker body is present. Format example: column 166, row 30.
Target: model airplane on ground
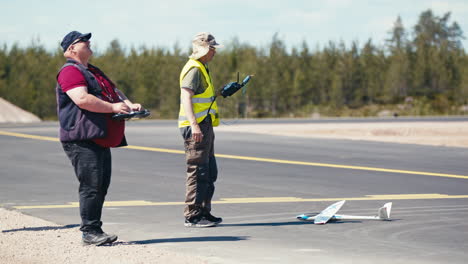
column 329, row 214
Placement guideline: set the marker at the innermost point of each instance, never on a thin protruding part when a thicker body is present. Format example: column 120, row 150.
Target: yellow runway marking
column 156, row 149
column 341, row 166
column 5, row 133
column 386, row 197
column 279, row 161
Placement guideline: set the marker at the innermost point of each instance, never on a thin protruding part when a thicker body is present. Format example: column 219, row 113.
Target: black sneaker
column 213, row 218
column 198, row 222
column 97, row 238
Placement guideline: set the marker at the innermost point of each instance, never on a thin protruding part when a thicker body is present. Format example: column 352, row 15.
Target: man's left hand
column 230, row 89
column 135, row 107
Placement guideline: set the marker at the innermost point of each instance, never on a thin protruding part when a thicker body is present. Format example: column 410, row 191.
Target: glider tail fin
column 384, row 211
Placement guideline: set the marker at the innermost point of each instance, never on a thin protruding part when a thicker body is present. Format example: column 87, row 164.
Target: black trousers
column 93, row 167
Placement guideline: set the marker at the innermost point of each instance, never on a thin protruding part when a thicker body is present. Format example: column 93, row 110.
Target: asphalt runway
column 264, row 182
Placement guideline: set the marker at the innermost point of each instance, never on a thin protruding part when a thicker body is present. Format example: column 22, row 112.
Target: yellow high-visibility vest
column 201, row 102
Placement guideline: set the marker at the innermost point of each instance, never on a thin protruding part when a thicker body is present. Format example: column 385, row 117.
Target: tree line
column 421, row 71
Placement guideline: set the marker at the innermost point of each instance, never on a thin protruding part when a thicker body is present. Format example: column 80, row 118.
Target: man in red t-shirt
column 70, row 77
column 86, row 99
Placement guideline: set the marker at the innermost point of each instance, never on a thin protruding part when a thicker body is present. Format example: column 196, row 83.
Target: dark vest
column 77, row 123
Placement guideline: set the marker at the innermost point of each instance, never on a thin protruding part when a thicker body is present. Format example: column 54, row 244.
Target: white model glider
column 329, row 214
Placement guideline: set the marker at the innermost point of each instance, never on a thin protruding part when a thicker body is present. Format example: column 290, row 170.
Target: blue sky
column 164, row 23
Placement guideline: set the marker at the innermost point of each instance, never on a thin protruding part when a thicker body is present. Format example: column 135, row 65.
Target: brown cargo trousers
column 202, row 170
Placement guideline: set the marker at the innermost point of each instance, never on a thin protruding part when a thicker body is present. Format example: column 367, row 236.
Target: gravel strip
column 28, row 240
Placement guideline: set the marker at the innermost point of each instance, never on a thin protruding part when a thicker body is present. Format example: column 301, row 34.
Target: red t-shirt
column 70, row 77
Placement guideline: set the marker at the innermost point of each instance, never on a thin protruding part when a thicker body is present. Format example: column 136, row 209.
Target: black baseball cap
column 72, row 36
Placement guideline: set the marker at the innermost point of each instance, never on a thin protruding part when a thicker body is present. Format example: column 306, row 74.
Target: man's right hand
column 120, row 108
column 197, row 135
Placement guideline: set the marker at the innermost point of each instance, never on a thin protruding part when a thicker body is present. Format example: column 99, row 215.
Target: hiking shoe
column 198, row 222
column 213, row 218
column 112, row 237
column 97, row 238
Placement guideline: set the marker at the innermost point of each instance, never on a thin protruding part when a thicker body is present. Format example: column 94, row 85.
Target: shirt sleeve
column 191, row 80
column 70, row 77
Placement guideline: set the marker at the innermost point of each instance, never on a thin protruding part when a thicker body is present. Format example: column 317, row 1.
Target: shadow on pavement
column 185, row 239
column 289, row 223
column 41, row 228
column 294, row 223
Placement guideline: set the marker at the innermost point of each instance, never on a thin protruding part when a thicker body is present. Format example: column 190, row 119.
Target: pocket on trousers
column 195, row 152
column 70, row 151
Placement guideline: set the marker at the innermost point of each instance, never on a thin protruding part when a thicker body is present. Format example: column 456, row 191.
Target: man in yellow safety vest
column 197, row 116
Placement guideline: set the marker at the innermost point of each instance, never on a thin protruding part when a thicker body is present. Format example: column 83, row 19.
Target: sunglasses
column 79, row 40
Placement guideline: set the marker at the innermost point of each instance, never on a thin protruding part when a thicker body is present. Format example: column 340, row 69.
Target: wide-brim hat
column 201, row 44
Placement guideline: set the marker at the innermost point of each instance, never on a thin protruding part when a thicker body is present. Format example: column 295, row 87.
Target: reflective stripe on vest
column 198, row 115
column 201, row 102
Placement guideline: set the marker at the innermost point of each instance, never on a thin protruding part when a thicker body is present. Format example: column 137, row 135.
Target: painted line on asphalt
column 350, row 167
column 21, row 135
column 422, row 196
column 278, row 161
column 174, row 151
